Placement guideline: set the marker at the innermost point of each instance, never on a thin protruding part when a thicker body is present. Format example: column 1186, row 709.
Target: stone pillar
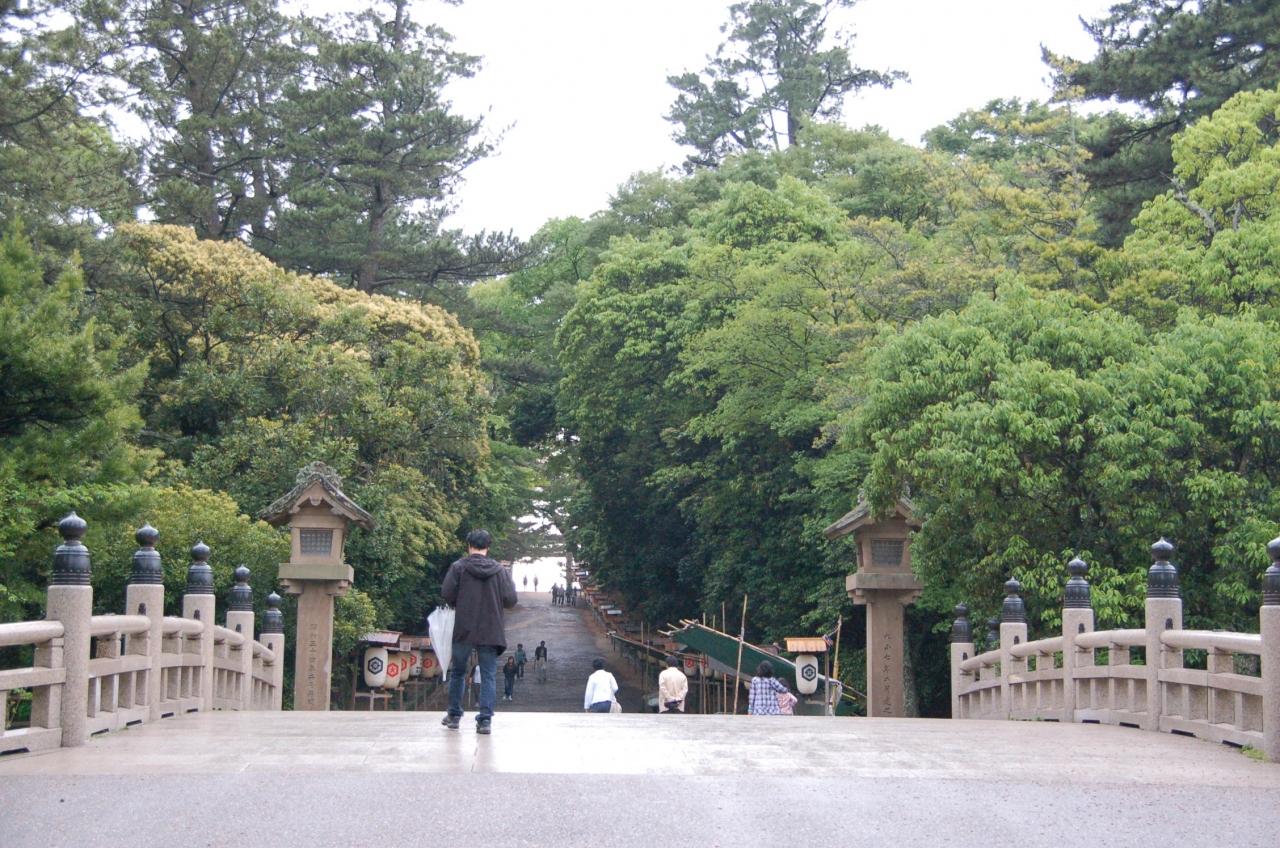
column 198, row 603
column 240, row 619
column 961, row 650
column 1077, row 618
column 313, row 663
column 886, row 687
column 273, row 638
column 1270, row 629
column 69, row 601
column 145, row 596
column 1164, row 612
column 1013, row 631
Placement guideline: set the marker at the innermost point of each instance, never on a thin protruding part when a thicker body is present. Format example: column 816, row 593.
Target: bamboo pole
column 737, row 672
column 836, row 669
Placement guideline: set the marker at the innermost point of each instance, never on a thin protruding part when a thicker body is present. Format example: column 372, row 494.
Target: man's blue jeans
column 488, row 659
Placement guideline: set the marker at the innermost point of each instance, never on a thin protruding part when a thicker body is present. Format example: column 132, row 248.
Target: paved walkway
column 571, row 779
column 573, row 641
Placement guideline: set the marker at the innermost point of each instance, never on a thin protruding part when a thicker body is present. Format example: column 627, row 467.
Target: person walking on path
column 521, row 658
column 673, row 687
column 535, row 582
column 602, row 689
column 765, row 689
column 526, row 581
column 479, row 589
column 540, row 661
column 509, row 673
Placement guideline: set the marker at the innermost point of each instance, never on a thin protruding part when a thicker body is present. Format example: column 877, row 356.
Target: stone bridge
column 199, row 752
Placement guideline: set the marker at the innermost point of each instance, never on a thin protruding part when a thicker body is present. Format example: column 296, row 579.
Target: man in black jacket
column 479, row 589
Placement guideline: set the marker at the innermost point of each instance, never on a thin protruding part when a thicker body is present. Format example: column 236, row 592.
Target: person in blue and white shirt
column 765, row 689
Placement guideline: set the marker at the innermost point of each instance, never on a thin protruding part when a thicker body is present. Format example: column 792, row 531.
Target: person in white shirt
column 673, row 687
column 601, row 689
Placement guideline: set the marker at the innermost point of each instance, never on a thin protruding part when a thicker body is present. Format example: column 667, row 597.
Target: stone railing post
column 198, row 603
column 145, row 596
column 240, row 619
column 961, row 650
column 1077, row 619
column 1164, row 612
column 1270, row 629
column 273, row 638
column 1013, row 631
column 69, row 601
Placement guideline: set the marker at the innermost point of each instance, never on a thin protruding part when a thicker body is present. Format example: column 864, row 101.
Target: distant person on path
column 540, row 661
column 602, row 689
column 765, row 689
column 479, row 589
column 509, row 670
column 526, row 581
column 521, row 658
column 673, row 687
column 535, row 582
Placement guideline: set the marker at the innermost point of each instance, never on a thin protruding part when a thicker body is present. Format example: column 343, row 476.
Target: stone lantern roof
column 861, row 515
column 330, row 483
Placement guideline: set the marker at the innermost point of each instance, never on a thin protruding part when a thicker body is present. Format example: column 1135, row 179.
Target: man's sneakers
column 482, row 727
column 451, row 721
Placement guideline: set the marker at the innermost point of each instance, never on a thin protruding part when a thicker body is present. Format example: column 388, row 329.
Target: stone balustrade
column 95, row 673
column 1141, row 681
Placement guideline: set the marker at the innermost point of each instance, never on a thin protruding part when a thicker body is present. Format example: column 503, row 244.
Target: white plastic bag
column 440, row 626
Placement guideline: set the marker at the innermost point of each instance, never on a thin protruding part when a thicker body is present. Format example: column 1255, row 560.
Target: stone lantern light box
column 319, row 516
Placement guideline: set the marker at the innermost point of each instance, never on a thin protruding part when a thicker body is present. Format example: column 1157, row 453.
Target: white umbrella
column 440, row 625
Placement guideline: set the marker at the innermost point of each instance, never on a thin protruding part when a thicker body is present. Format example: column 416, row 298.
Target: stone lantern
column 319, row 516
column 885, row 583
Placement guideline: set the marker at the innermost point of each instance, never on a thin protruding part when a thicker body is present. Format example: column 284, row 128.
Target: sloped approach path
column 322, row 779
column 573, row 641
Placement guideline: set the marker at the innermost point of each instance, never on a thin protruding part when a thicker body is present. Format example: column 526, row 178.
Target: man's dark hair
column 673, row 661
column 479, row 539
column 597, row 663
column 765, row 669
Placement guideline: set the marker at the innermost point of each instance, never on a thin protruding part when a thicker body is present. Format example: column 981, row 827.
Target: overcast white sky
column 581, row 84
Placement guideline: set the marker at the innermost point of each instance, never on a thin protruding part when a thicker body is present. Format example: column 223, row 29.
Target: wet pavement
column 576, row 779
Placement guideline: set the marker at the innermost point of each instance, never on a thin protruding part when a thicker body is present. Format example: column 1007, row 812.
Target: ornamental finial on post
column 1162, row 577
column 273, row 619
column 961, row 630
column 1077, row 595
column 199, row 573
column 146, row 560
column 1271, row 580
column 1013, row 610
column 71, row 565
column 241, row 593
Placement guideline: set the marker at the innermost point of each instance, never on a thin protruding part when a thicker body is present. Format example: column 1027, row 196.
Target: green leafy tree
column 1212, row 241
column 255, row 371
column 376, row 152
column 1029, row 429
column 60, row 170
column 1177, row 62
column 776, row 73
